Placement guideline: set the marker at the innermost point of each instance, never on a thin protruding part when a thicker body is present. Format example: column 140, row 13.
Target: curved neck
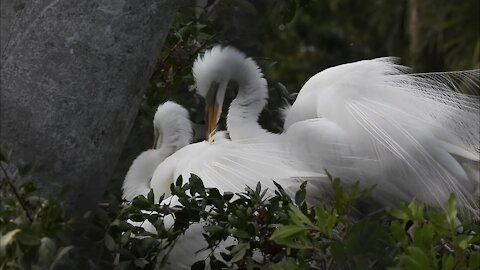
column 242, row 118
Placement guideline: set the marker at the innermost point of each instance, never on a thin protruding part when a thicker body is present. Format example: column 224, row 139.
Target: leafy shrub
column 34, row 230
column 269, row 231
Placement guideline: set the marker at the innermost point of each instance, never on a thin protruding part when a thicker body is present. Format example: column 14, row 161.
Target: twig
column 17, row 195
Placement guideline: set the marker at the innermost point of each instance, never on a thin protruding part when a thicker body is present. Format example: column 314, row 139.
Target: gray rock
column 72, row 77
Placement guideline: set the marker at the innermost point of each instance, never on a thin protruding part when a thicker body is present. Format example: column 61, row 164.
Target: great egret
column 220, row 163
column 212, row 73
column 368, row 121
column 227, row 166
column 172, row 130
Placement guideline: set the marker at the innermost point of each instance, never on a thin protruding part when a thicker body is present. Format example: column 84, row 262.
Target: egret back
column 371, row 121
column 232, row 166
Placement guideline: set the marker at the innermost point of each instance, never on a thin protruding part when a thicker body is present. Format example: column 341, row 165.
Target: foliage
column 328, row 33
column 262, row 230
column 34, row 230
column 271, row 231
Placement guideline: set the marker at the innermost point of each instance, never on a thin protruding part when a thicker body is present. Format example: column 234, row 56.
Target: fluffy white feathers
column 172, row 124
column 370, row 121
column 225, row 64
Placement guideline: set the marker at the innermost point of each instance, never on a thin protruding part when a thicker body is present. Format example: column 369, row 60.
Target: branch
column 15, row 192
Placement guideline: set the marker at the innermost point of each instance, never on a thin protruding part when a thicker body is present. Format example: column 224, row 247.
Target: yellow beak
column 211, row 120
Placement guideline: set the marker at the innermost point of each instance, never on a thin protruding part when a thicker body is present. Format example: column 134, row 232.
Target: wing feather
column 380, row 125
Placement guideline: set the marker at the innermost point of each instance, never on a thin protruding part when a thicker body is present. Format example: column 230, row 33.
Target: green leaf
column 448, row 262
column 286, row 231
column 148, row 243
column 141, row 202
column 293, row 236
column 398, row 231
column 109, row 242
column 325, row 221
column 214, row 193
column 301, row 194
column 297, row 217
column 239, row 252
column 423, row 237
column 199, row 265
column 227, row 196
column 474, row 261
column 6, row 240
column 462, row 241
column 399, row 213
column 196, row 185
column 416, row 258
column 46, row 251
column 239, row 233
column 179, row 181
column 151, row 197
column 125, row 237
column 28, row 238
column 451, row 208
column 213, row 228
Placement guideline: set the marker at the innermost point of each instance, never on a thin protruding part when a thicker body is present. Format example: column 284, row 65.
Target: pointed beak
column 211, row 111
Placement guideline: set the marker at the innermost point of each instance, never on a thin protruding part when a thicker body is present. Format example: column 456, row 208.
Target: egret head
column 171, row 126
column 212, row 72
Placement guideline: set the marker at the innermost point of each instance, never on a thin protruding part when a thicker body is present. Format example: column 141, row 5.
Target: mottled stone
column 72, row 77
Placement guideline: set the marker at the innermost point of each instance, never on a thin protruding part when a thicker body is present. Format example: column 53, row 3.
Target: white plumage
column 372, row 122
column 231, row 166
column 173, row 131
column 368, row 121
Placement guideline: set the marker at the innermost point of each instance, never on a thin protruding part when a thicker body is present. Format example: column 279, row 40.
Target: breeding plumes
column 369, row 121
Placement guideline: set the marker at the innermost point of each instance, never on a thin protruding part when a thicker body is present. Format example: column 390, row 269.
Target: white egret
column 212, row 73
column 368, row 121
column 220, row 163
column 227, row 166
column 371, row 121
column 223, row 163
column 172, row 130
column 254, row 154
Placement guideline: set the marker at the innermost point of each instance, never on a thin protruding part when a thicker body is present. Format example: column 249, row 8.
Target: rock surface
column 72, row 78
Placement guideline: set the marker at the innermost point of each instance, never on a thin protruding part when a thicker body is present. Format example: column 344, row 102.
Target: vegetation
column 264, row 231
column 272, row 231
